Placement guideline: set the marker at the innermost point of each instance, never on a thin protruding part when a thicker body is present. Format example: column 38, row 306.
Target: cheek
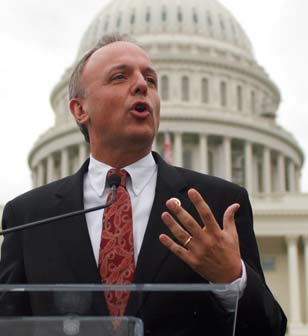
column 157, row 110
column 157, row 122
column 105, row 107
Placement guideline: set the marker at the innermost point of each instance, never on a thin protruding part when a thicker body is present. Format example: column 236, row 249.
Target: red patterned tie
column 116, row 255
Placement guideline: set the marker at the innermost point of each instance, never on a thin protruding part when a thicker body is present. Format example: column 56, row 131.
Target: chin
column 143, row 139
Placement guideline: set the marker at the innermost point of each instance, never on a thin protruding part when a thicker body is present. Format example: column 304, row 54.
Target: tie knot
column 121, row 172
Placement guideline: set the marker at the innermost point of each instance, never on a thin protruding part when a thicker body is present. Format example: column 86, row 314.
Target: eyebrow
column 125, row 67
column 151, row 70
column 118, row 67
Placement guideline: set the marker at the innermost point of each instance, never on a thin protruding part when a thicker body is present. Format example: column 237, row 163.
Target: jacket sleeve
column 258, row 311
column 12, row 269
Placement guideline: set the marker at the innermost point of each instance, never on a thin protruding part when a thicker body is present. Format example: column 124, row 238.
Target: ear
column 80, row 115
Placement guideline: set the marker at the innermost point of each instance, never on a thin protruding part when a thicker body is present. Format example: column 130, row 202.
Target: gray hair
column 75, row 87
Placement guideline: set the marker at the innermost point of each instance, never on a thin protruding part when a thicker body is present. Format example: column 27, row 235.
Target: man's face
column 121, row 99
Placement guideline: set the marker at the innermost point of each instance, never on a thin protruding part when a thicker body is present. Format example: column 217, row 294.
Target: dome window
column 209, row 19
column 164, row 14
column 233, row 28
column 234, row 31
column 106, row 24
column 253, row 102
column 239, row 95
column 180, row 15
column 119, row 22
column 132, row 18
column 185, row 88
column 164, row 88
column 148, row 16
column 222, row 27
column 195, row 16
column 223, row 93
column 222, row 24
column 205, row 90
column 268, row 106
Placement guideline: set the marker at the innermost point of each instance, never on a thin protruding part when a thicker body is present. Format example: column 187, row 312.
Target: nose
column 140, row 85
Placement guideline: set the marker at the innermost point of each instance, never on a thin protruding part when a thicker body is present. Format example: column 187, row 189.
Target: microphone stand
column 66, row 215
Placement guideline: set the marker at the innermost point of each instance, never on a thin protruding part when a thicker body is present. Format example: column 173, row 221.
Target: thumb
column 228, row 220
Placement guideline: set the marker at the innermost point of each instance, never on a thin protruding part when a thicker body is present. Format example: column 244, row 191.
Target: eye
column 118, row 76
column 151, row 80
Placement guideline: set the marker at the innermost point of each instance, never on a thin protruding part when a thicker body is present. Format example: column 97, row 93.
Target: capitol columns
column 298, row 179
column 291, row 173
column 227, row 172
column 294, row 285
column 50, row 168
column 40, row 174
column 248, row 166
column 267, row 178
column 64, row 162
column 203, row 150
column 178, row 149
column 305, row 241
column 281, row 173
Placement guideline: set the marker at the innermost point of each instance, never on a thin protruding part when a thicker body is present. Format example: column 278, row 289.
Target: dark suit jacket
column 62, row 253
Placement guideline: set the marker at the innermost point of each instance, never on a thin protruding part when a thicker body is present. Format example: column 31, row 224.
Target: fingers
column 184, row 218
column 177, row 249
column 228, row 220
column 212, row 251
column 204, row 211
column 177, row 230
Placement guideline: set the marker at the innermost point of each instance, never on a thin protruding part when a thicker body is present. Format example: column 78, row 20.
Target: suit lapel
column 73, row 237
column 74, row 240
column 153, row 253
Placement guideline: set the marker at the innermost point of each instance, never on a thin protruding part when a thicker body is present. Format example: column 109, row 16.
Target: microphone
column 114, row 180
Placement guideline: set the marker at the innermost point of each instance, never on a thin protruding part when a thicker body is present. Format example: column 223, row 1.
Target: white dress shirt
column 141, row 184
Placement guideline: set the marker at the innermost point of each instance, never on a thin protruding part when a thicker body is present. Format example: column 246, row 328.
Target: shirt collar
column 140, row 173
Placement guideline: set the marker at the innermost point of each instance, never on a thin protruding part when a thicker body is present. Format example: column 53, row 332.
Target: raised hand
column 212, row 252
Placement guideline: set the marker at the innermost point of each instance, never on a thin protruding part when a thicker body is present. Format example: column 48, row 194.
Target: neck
column 117, row 159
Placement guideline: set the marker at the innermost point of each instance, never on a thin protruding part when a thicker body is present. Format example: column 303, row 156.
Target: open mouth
column 141, row 107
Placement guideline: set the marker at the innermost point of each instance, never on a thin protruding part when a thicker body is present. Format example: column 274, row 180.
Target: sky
column 39, row 40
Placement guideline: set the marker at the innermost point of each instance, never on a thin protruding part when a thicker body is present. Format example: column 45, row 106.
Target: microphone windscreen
column 114, row 180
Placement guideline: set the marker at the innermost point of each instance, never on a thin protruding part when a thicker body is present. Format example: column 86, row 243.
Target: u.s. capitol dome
column 219, row 106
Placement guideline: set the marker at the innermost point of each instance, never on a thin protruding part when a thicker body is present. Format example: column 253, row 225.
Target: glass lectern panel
column 71, row 325
column 152, row 309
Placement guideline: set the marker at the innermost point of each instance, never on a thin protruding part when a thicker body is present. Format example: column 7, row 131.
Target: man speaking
column 167, row 224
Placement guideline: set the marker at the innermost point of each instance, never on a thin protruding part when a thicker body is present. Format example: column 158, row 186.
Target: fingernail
column 193, row 194
column 171, row 204
column 175, row 200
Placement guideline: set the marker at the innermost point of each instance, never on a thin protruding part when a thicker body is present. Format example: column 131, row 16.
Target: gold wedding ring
column 187, row 241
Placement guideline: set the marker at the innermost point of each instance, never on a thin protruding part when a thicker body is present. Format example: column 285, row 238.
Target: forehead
column 116, row 53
